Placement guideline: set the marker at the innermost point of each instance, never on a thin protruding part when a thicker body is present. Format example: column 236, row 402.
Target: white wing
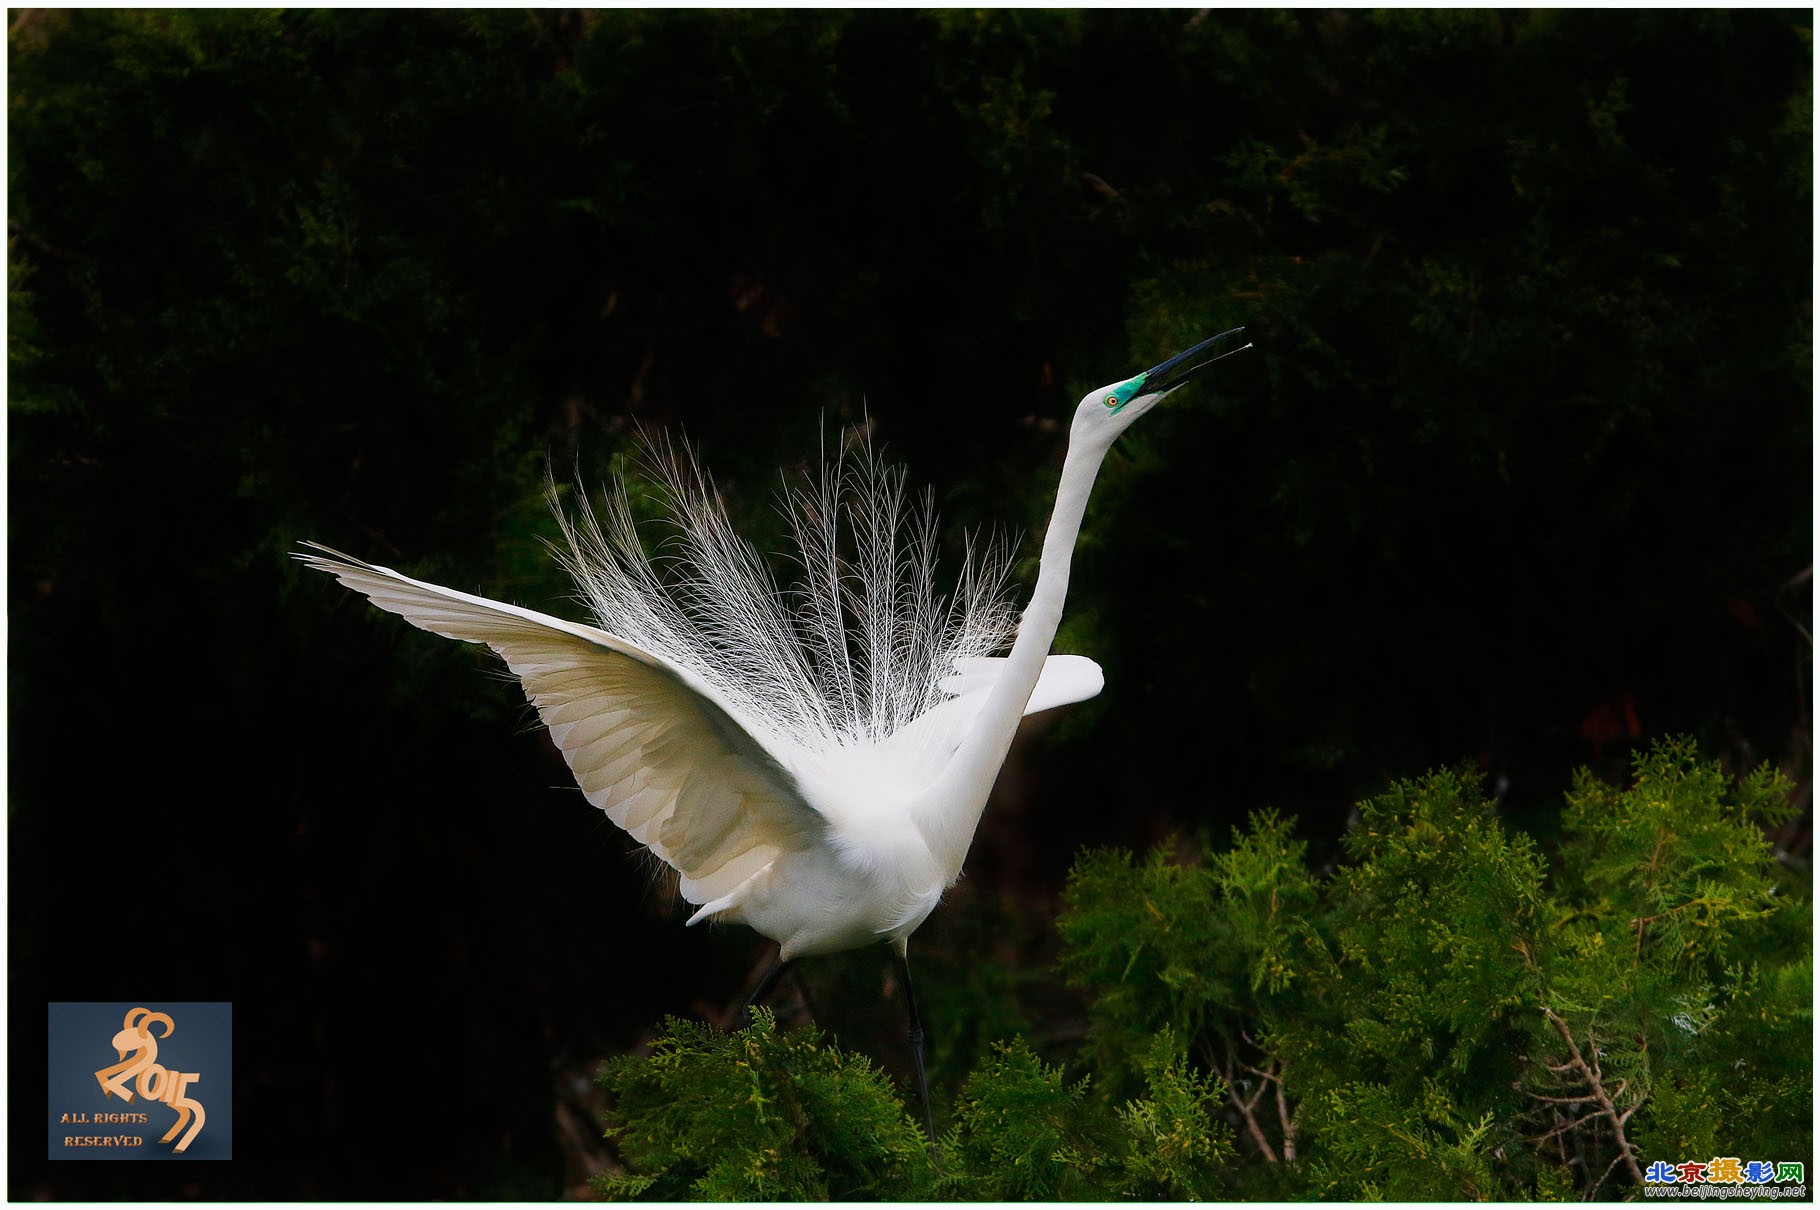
column 934, row 736
column 655, row 751
column 1065, row 679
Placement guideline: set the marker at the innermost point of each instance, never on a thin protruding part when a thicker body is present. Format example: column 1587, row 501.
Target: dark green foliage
column 1441, row 1018
column 1528, row 228
column 1023, row 1131
column 1385, row 1146
column 801, row 1120
column 1679, row 862
column 1190, row 949
column 1452, row 1020
column 1685, row 958
column 1019, row 1132
column 1173, row 1148
column 767, row 1115
column 1422, row 946
column 1516, row 278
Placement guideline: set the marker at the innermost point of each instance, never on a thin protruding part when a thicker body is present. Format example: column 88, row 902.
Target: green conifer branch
column 1452, row 1013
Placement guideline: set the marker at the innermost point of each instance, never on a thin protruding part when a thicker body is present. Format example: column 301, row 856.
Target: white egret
column 812, row 765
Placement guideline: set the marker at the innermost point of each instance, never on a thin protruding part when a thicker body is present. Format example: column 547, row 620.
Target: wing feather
column 1065, row 679
column 935, row 735
column 646, row 743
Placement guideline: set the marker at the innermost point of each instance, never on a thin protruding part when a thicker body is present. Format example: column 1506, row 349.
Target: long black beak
column 1175, row 372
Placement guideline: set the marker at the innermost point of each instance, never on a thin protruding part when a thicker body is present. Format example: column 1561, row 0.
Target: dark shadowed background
column 1518, row 476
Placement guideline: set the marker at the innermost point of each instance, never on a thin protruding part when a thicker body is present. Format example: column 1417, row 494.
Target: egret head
column 1105, row 413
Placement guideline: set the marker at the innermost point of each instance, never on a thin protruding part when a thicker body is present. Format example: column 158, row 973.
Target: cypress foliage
column 1452, row 1014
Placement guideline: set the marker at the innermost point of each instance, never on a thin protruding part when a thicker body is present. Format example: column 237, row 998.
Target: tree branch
column 1246, row 1109
column 1590, row 1073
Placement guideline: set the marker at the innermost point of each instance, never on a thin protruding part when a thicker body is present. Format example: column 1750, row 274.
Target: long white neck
column 950, row 811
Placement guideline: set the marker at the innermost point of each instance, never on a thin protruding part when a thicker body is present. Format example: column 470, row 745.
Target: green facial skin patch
column 1122, row 394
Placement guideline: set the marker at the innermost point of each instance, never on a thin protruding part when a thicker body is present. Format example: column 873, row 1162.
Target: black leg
column 916, row 1044
column 765, row 984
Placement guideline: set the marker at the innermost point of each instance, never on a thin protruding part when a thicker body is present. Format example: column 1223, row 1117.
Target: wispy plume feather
column 851, row 652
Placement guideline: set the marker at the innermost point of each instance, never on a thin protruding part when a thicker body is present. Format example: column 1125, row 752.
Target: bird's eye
column 1112, row 401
